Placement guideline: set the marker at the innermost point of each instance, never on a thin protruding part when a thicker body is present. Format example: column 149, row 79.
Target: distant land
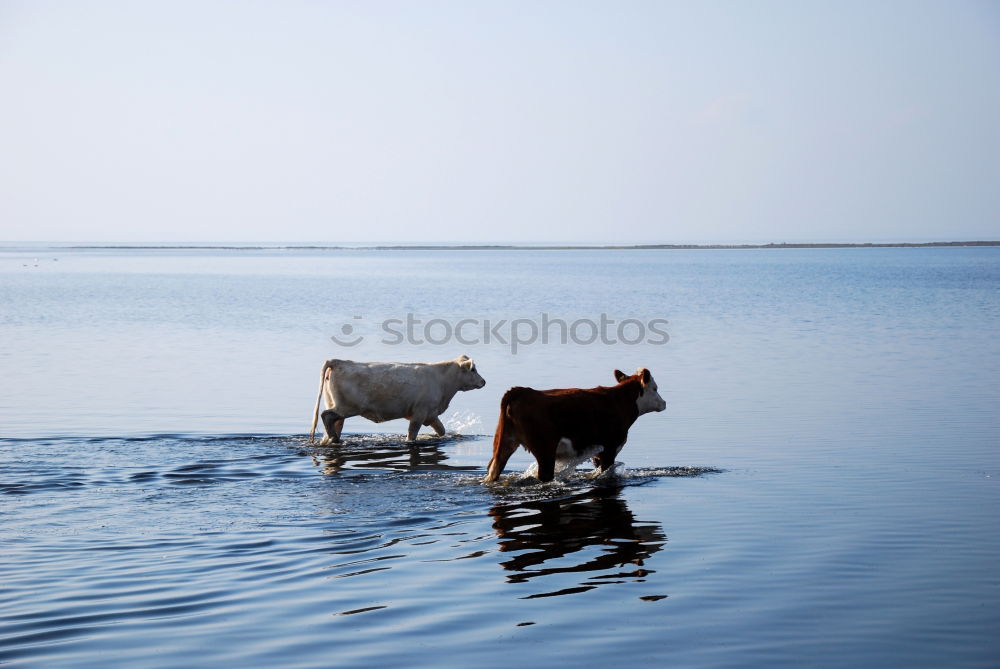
column 528, row 247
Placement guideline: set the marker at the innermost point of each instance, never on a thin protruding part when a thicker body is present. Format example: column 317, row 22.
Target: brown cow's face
column 649, row 400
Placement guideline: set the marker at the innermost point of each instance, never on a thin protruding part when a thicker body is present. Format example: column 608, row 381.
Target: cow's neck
column 626, row 396
column 446, row 397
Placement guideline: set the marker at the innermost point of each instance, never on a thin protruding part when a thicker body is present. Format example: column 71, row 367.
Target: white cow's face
column 469, row 378
column 649, row 400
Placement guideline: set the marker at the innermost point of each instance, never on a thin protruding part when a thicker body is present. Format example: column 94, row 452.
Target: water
column 821, row 490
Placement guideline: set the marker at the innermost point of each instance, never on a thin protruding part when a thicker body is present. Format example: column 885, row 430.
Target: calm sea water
column 822, row 490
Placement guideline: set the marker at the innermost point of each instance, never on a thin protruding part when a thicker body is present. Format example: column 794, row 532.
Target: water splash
column 567, row 469
column 464, row 422
column 618, row 472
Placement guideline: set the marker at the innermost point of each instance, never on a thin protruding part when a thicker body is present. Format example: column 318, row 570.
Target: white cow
column 381, row 391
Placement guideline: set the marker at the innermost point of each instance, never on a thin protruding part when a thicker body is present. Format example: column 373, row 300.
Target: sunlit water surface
column 822, row 489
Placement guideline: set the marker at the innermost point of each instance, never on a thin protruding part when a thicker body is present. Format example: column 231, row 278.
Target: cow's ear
column 646, row 376
column 467, row 363
column 620, row 376
column 463, row 358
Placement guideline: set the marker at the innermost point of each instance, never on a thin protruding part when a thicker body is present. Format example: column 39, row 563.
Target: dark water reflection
column 378, row 451
column 587, row 532
column 573, row 526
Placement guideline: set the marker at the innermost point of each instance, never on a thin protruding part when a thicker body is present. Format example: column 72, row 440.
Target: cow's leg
column 333, row 423
column 546, row 465
column 503, row 447
column 438, row 426
column 545, row 456
column 411, row 433
column 605, row 460
column 499, row 460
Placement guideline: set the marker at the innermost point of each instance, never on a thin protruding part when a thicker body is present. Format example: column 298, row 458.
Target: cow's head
column 469, row 378
column 649, row 399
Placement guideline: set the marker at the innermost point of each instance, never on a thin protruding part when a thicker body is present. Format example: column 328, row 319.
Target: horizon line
column 263, row 246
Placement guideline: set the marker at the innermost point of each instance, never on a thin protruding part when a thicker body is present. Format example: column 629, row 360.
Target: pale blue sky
column 515, row 121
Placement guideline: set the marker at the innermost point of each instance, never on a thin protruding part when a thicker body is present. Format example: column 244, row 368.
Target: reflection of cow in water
column 384, row 452
column 546, row 530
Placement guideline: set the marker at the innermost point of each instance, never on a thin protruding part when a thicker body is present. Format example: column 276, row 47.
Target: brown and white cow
column 567, row 426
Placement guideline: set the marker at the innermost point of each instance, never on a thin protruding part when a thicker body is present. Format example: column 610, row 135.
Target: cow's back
column 383, row 391
column 586, row 417
column 388, row 374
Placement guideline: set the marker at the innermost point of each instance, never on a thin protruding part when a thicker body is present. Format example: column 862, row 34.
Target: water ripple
column 237, row 535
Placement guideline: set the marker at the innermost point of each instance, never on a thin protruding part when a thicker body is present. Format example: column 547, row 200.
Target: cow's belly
column 566, row 450
column 379, row 416
column 568, row 457
column 392, row 411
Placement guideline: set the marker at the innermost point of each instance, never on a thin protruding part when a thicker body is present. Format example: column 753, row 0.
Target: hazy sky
column 499, row 121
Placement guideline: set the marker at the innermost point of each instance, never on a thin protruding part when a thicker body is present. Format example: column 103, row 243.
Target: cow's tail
column 503, row 438
column 323, row 376
column 503, row 424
